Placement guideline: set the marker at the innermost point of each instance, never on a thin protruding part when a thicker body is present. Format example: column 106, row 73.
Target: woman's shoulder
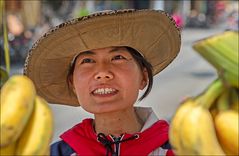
column 61, row 148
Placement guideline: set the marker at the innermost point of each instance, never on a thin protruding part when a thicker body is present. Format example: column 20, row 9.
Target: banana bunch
column 26, row 119
column 208, row 124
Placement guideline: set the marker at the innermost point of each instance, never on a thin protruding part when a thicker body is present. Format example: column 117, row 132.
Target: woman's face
column 107, row 79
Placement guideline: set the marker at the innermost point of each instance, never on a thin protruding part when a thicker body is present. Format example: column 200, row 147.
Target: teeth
column 104, row 91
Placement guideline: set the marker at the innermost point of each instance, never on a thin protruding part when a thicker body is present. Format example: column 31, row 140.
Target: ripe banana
column 17, row 100
column 8, row 150
column 47, row 152
column 37, row 135
column 198, row 134
column 175, row 126
column 226, row 125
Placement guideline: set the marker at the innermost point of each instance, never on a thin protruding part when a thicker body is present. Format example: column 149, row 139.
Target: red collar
column 83, row 139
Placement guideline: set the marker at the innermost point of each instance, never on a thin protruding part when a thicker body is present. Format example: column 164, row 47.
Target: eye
column 118, row 57
column 87, row 60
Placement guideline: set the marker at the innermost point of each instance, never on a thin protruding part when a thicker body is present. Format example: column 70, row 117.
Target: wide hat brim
column 153, row 33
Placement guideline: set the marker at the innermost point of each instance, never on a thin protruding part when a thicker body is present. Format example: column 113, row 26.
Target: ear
column 144, row 80
column 72, row 84
column 73, row 89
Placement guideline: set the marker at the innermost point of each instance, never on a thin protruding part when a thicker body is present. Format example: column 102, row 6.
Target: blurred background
column 188, row 75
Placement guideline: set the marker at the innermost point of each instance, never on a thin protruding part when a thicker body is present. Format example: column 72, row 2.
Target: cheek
column 132, row 77
column 79, row 81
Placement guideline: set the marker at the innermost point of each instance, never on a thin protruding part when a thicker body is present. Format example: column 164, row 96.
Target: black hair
column 141, row 61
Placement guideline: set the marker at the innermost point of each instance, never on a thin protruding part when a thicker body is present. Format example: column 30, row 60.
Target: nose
column 104, row 76
column 103, row 73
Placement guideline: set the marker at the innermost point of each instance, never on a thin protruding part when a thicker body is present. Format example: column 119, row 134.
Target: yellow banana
column 17, row 100
column 175, row 126
column 226, row 124
column 198, row 134
column 47, row 152
column 8, row 150
column 37, row 135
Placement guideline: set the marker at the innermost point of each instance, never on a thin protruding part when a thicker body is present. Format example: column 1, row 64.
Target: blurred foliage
column 55, row 4
column 5, row 40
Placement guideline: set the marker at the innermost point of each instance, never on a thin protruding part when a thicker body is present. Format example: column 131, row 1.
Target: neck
column 117, row 123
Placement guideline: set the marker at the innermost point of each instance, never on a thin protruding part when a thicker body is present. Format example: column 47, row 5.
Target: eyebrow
column 114, row 49
column 86, row 53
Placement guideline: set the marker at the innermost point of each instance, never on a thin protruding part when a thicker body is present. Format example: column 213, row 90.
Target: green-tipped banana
column 208, row 97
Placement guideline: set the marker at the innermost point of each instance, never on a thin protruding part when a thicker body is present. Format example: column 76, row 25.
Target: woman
column 100, row 62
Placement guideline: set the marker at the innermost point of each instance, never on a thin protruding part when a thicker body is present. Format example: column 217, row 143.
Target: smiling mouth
column 104, row 91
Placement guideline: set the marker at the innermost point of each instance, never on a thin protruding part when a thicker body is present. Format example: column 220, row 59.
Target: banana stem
column 207, row 98
column 223, row 101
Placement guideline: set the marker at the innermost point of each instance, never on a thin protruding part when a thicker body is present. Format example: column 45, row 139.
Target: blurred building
column 199, row 13
column 193, row 13
column 27, row 20
column 21, row 18
column 28, row 12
